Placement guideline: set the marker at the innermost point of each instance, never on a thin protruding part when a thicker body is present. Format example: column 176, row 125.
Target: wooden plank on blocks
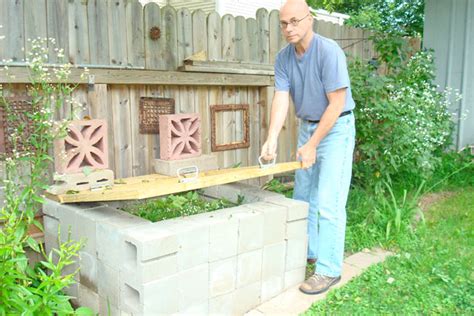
column 155, row 185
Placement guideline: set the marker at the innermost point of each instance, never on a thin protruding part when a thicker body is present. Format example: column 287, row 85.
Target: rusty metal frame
column 19, row 107
column 245, row 143
column 150, row 109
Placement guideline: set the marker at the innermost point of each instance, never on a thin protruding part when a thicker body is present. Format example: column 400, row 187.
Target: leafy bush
column 24, row 290
column 403, row 122
column 178, row 205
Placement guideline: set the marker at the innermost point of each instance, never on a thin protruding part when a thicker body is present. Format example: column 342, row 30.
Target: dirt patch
column 427, row 200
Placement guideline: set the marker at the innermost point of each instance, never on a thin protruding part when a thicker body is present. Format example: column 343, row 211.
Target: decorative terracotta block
column 84, row 146
column 180, row 136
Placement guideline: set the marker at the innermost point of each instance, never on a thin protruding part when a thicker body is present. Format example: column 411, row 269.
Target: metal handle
column 187, row 174
column 263, row 165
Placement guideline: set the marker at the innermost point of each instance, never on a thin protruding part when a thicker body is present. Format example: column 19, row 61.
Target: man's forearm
column 278, row 114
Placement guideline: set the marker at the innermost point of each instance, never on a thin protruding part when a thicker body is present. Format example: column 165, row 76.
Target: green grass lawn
column 431, row 273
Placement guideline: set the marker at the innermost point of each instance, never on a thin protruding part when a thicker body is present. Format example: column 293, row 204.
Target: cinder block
column 250, row 231
column 249, row 268
column 180, row 136
column 296, row 209
column 191, row 236
column 273, row 260
column 107, row 309
column 230, row 191
column 162, row 296
column 110, row 246
column 87, row 297
column 193, row 287
column 222, row 276
column 151, row 270
column 148, row 242
column 201, row 309
column 223, row 238
column 86, row 224
column 88, row 270
column 170, row 167
column 296, row 253
column 246, row 298
column 271, row 287
column 297, row 229
column 274, row 226
column 51, row 226
column 222, row 305
column 294, row 277
column 85, row 145
column 108, row 282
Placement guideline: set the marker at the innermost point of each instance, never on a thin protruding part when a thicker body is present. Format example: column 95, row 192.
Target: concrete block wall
column 223, row 262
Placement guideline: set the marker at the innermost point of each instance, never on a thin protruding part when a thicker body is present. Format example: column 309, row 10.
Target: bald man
column 312, row 70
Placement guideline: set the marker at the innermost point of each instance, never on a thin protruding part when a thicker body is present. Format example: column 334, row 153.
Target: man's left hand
column 307, row 155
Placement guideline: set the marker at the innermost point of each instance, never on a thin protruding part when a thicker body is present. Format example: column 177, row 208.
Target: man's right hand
column 269, row 149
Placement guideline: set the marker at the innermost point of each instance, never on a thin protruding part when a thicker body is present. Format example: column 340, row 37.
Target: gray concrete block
column 170, row 167
column 249, row 268
column 151, row 270
column 274, row 227
column 294, row 277
column 51, row 226
column 88, row 270
column 273, row 264
column 222, row 276
column 297, row 229
column 251, row 231
column 193, row 243
column 108, row 282
column 271, row 287
column 110, row 246
column 107, row 309
column 296, row 209
column 162, row 296
column 247, row 298
column 222, row 305
column 296, row 253
column 201, row 309
column 194, row 287
column 148, row 242
column 87, row 297
column 223, row 239
column 86, row 222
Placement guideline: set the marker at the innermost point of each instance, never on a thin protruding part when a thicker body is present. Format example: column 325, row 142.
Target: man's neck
column 303, row 45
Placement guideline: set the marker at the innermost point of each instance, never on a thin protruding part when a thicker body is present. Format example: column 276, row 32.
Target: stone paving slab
column 294, row 302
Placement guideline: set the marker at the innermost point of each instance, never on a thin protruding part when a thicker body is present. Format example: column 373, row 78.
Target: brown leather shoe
column 318, row 283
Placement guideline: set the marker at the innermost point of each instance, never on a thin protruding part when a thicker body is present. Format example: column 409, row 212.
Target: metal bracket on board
column 187, row 174
column 269, row 164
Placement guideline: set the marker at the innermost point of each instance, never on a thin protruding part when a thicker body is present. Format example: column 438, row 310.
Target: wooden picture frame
column 215, row 109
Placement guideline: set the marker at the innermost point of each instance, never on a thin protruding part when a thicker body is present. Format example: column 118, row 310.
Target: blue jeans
column 325, row 186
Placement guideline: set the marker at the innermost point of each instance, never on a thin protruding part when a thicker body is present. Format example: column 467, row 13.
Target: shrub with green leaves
column 25, row 290
column 403, row 121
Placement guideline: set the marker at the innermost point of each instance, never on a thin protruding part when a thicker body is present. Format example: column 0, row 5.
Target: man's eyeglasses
column 293, row 21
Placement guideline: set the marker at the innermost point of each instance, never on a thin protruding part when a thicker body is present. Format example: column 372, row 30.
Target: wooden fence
column 106, row 35
column 116, row 33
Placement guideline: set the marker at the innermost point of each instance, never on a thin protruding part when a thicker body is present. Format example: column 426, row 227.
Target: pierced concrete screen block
column 180, row 136
column 84, row 146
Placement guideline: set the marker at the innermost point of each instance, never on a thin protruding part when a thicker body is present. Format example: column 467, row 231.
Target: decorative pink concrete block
column 180, row 136
column 84, row 146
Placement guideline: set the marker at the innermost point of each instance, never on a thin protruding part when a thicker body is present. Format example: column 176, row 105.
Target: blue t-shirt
column 321, row 69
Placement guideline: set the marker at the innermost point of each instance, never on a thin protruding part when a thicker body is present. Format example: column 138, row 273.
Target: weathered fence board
column 185, row 35
column 98, row 26
column 11, row 47
column 57, row 23
column 117, row 33
column 263, row 36
column 214, row 37
column 135, row 35
column 35, row 21
column 169, row 32
column 78, row 32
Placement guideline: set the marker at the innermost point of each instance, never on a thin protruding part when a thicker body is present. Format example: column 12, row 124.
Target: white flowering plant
column 23, row 289
column 403, row 120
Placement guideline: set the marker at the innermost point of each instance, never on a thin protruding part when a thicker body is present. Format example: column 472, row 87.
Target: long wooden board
column 155, row 185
